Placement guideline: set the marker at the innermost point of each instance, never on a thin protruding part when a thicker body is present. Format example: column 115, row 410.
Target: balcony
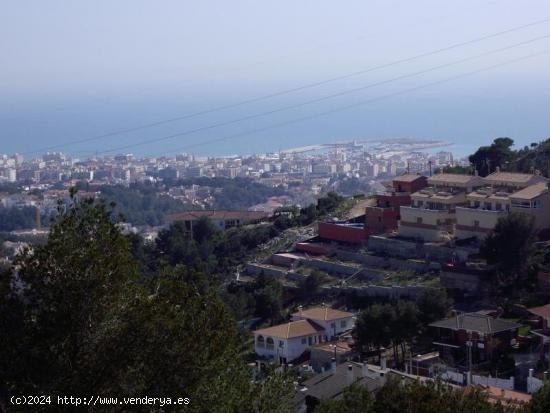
column 392, row 193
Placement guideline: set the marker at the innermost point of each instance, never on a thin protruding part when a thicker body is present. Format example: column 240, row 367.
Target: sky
column 73, row 70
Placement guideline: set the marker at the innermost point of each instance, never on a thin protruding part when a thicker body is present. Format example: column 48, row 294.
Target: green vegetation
column 353, row 185
column 145, row 203
column 398, row 323
column 237, row 193
column 509, row 248
column 332, row 203
column 88, row 322
column 17, row 218
column 499, row 154
column 426, row 397
column 384, row 325
column 310, row 286
column 140, row 204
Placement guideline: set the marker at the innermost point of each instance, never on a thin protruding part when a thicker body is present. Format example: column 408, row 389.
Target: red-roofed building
column 288, row 341
column 222, row 219
column 380, row 217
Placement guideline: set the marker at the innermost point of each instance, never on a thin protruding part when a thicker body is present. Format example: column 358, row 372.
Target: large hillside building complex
column 503, row 192
column 432, row 213
column 447, row 206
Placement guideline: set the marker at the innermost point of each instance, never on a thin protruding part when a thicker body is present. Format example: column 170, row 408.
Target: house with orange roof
column 286, row 342
column 332, row 320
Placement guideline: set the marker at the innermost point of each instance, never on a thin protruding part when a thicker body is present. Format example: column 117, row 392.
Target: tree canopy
column 509, row 248
column 426, row 397
column 499, row 154
column 81, row 320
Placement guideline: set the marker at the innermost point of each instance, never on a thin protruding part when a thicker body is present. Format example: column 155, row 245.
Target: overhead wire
column 319, row 99
column 361, row 103
column 288, row 91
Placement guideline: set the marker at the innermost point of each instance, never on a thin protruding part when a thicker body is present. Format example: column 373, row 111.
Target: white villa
column 286, row 342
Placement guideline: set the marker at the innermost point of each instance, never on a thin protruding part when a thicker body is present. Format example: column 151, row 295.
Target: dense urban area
column 354, row 278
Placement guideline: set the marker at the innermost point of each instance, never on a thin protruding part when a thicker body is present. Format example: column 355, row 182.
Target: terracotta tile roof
column 292, row 329
column 542, row 311
column 407, row 178
column 532, row 191
column 323, row 313
column 514, row 178
column 217, row 214
column 450, row 179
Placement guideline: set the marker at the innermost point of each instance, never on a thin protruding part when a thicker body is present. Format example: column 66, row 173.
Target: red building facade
column 379, row 218
column 383, row 216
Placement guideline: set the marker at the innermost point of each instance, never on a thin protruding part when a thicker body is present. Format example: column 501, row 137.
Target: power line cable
column 320, row 99
column 288, row 91
column 351, row 106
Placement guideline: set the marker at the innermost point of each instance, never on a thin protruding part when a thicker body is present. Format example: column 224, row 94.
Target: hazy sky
column 72, row 69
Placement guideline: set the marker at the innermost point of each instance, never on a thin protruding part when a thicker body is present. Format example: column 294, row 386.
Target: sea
column 100, row 125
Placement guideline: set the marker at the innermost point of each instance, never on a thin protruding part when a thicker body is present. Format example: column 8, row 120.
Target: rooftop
column 408, row 178
column 292, row 329
column 542, row 311
column 454, row 179
column 331, row 384
column 479, row 323
column 216, row 214
column 514, row 178
column 323, row 313
column 531, row 191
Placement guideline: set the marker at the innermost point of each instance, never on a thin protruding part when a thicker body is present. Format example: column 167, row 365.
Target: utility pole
column 38, row 221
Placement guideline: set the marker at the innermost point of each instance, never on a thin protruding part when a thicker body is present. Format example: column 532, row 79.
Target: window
column 333, row 325
column 343, row 323
column 536, row 204
column 499, row 207
column 260, row 341
column 304, row 341
column 281, row 343
column 521, row 204
column 309, row 341
column 270, row 344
